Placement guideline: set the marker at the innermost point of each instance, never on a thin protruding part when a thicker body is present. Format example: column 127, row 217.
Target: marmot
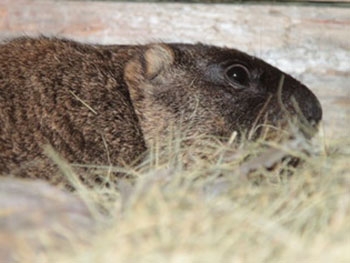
column 98, row 104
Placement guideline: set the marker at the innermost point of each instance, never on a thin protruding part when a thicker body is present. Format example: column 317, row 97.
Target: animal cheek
column 218, row 126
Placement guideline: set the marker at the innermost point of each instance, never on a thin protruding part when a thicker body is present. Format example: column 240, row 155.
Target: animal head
column 202, row 89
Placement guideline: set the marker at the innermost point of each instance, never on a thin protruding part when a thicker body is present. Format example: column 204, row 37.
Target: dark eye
column 238, row 74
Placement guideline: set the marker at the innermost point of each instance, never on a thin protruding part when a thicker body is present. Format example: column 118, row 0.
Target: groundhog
column 102, row 105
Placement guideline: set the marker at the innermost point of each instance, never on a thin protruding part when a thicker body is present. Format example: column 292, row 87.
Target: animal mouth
column 277, row 120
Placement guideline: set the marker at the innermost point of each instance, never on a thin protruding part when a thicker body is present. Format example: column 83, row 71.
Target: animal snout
column 308, row 104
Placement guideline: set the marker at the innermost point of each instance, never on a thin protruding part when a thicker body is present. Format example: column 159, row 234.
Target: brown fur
column 106, row 105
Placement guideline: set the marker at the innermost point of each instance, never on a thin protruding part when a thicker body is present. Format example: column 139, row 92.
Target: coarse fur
column 106, row 105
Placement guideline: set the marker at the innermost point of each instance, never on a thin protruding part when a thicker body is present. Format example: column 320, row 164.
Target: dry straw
column 218, row 204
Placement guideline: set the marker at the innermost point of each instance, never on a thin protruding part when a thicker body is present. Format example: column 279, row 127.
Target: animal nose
column 308, row 104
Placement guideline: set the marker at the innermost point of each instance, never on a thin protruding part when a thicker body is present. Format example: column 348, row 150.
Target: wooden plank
column 307, row 1
column 311, row 43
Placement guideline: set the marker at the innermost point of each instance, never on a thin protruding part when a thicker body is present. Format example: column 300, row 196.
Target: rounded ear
column 158, row 57
column 149, row 64
column 139, row 72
